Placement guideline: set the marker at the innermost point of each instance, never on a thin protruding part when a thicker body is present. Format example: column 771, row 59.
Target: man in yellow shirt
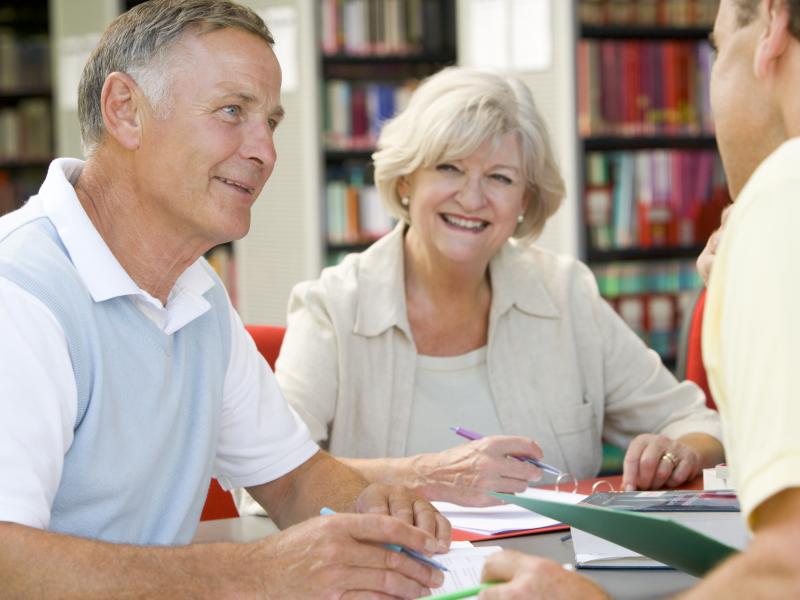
column 751, row 328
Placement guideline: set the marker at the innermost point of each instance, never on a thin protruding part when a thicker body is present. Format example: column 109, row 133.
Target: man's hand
column 465, row 473
column 404, row 504
column 531, row 577
column 654, row 461
column 329, row 556
column 706, row 259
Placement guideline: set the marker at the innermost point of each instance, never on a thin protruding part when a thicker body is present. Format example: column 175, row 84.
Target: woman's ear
column 774, row 40
column 403, row 187
column 120, row 103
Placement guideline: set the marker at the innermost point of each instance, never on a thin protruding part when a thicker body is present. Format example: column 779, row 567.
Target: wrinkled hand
column 647, row 465
column 531, row 577
column 404, row 504
column 706, row 259
column 465, row 473
column 342, row 556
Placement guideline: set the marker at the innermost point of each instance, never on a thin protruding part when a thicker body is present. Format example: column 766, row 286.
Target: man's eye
column 231, row 110
column 273, row 124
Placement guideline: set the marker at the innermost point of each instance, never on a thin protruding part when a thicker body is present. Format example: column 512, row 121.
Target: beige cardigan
column 563, row 368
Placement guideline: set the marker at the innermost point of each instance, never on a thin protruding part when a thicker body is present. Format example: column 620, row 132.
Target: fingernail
column 629, row 488
column 431, row 545
column 438, row 579
column 442, row 546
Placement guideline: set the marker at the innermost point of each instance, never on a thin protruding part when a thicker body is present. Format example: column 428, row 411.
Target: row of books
column 386, row 27
column 355, row 213
column 25, row 132
column 680, row 13
column 17, row 186
column 652, row 298
column 636, row 87
column 653, row 198
column 617, row 279
column 355, row 111
column 24, row 61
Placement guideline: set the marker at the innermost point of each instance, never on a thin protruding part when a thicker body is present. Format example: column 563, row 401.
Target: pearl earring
column 521, row 217
column 404, row 201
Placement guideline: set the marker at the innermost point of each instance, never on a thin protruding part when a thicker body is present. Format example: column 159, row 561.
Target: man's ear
column 775, row 38
column 121, row 105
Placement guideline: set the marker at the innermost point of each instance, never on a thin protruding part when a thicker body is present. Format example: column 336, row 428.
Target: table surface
column 620, row 583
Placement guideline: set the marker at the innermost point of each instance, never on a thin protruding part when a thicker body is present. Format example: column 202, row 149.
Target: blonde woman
column 456, row 318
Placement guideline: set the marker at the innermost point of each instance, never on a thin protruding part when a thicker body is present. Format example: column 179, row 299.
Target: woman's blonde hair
column 449, row 116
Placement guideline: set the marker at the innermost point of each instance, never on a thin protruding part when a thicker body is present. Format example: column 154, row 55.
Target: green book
column 650, row 534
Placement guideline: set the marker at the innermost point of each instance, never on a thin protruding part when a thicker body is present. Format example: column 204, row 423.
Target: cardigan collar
column 381, row 287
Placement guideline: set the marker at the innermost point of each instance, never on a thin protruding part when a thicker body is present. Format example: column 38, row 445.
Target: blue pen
column 396, row 547
column 471, row 435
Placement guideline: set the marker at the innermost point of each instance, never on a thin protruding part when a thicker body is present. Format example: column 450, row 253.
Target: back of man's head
column 746, row 11
column 138, row 43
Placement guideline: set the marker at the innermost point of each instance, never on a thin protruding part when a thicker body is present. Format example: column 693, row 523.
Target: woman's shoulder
column 341, row 283
column 554, row 270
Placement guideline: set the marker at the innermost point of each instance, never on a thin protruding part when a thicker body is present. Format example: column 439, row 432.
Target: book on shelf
column 354, row 111
column 643, row 87
column 385, row 27
column 714, row 513
column 652, row 13
column 652, row 198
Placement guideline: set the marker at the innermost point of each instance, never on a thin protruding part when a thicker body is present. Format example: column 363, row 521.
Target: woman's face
column 465, row 210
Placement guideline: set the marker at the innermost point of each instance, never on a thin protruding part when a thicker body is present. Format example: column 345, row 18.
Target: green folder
column 657, row 537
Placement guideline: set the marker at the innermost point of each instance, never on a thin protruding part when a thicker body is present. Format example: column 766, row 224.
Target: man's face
column 202, row 166
column 742, row 108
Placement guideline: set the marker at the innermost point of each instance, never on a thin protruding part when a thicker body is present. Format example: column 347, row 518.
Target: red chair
column 690, row 360
column 219, row 503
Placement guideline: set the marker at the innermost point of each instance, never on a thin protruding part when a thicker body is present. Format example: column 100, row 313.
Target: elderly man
column 751, row 330
column 127, row 380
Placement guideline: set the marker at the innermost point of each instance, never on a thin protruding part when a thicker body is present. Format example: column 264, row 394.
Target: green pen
column 474, row 591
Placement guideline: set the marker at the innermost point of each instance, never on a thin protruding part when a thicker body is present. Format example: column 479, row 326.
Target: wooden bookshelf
column 371, row 55
column 652, row 182
column 26, row 138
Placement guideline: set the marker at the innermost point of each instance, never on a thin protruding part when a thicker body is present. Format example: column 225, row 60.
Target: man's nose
column 259, row 145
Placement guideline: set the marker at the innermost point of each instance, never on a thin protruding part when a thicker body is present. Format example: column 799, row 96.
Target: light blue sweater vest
column 149, row 404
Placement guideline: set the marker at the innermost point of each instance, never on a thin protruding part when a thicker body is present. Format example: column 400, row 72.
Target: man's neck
column 150, row 251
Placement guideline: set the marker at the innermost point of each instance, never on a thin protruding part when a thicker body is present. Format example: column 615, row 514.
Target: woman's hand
column 532, row 577
column 654, row 461
column 465, row 473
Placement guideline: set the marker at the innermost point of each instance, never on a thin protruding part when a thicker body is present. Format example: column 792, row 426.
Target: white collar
column 101, row 272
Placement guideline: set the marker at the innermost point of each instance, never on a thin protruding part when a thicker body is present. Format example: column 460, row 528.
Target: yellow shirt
column 751, row 331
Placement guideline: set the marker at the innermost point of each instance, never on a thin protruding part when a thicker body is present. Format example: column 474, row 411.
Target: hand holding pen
column 471, row 435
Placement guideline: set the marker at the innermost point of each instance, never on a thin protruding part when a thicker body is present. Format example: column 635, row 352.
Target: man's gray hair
column 746, row 11
column 138, row 43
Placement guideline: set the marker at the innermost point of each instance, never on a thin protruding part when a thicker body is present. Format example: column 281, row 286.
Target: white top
column 450, row 391
column 751, row 330
column 38, row 396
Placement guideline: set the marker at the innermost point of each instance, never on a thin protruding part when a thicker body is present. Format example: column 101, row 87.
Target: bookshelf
column 372, row 54
column 652, row 182
column 26, row 140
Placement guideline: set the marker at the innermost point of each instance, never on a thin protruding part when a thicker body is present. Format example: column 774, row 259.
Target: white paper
column 282, row 23
column 73, row 52
column 490, row 520
column 464, row 563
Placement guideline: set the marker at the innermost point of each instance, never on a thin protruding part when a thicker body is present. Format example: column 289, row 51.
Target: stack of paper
column 464, row 563
column 492, row 520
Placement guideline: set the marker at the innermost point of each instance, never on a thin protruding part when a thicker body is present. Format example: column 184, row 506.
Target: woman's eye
column 446, row 167
column 502, row 178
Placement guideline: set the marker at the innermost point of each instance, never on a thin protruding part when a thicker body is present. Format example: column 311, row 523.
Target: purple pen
column 471, row 435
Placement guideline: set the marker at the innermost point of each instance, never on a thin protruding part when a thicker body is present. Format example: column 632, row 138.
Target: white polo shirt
column 261, row 438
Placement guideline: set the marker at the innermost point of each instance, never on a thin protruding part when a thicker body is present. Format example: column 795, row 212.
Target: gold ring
column 671, row 458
